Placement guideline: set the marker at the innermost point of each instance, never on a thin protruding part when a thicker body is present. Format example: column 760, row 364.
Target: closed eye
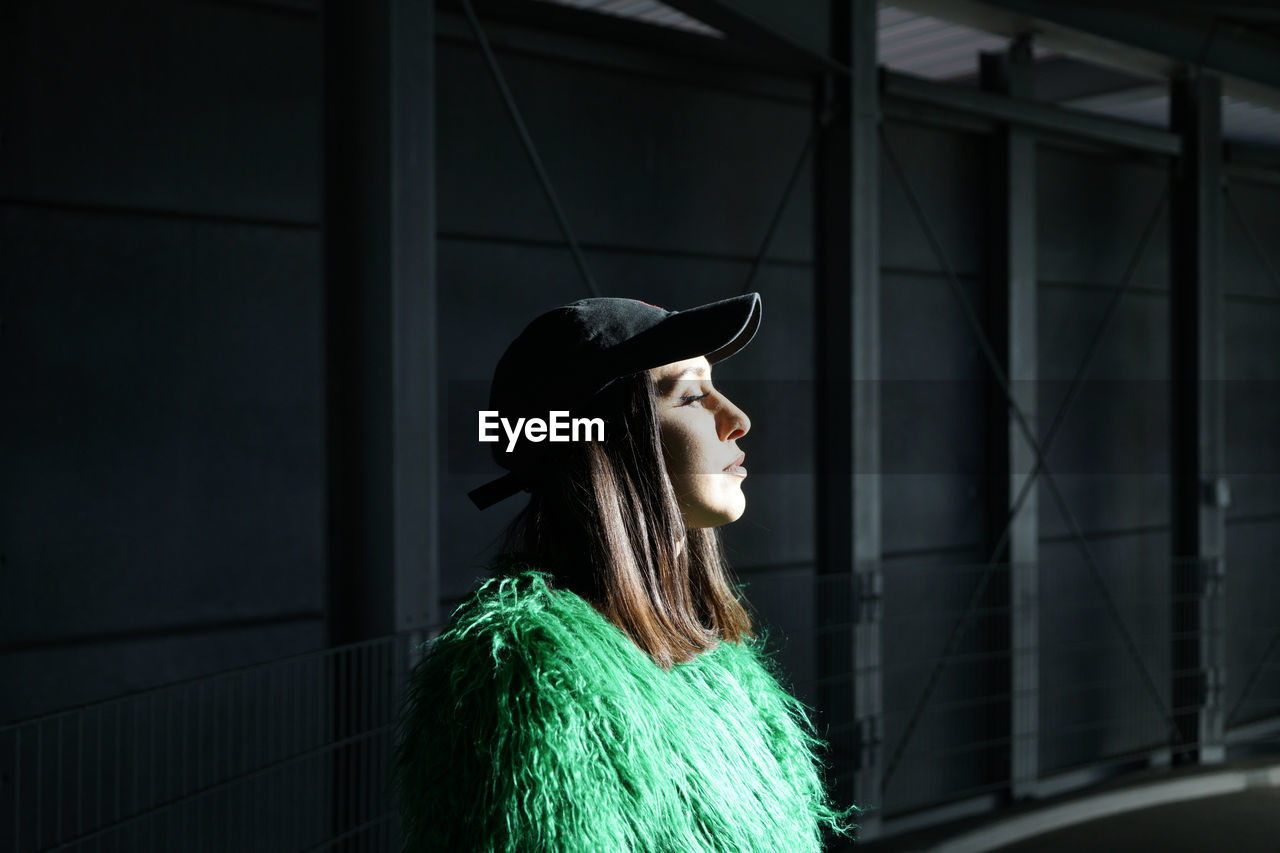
column 693, row 398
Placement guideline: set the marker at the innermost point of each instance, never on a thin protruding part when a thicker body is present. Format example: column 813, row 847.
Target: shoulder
column 501, row 727
column 522, row 619
column 521, row 595
column 519, row 640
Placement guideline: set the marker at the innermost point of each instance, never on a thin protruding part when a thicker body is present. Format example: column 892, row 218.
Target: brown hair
column 603, row 519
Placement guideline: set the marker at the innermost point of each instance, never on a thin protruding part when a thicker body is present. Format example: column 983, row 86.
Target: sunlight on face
column 700, row 428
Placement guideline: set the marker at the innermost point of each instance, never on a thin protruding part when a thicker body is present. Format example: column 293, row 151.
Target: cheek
column 684, row 451
column 679, row 452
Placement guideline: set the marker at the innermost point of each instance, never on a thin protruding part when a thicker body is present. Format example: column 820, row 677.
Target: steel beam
column 1253, row 154
column 1251, row 162
column 682, row 60
column 379, row 256
column 847, row 253
column 1026, row 113
column 1061, row 79
column 1199, row 489
column 1011, row 279
column 760, row 37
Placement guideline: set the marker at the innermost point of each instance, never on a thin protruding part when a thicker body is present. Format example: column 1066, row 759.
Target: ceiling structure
column 1108, row 61
column 1117, row 60
column 930, row 47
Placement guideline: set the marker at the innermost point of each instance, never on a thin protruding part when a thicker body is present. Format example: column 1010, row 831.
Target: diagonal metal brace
column 1273, row 275
column 1254, row 676
column 1082, row 369
column 782, row 205
column 529, row 149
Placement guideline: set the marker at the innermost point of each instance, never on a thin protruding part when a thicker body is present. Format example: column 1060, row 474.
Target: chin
column 707, row 516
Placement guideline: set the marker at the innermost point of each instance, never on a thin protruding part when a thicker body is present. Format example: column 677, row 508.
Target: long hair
column 604, row 521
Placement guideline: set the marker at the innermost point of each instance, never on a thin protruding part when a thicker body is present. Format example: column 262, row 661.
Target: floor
column 1241, row 821
column 1244, row 822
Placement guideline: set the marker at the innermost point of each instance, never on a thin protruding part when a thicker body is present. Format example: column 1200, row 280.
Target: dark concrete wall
column 162, row 497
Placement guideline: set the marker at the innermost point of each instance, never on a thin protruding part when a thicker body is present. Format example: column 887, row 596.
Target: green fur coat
column 535, row 724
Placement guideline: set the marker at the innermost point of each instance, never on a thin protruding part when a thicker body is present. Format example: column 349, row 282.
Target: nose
column 732, row 421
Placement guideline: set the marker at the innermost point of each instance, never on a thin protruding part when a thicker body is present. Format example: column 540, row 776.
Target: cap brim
column 730, row 322
column 716, row 330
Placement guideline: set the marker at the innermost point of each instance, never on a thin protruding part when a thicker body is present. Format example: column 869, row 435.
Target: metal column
column 379, row 238
column 848, row 433
column 1200, row 492
column 1011, row 279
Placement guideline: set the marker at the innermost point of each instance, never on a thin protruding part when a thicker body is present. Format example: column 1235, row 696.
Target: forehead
column 690, row 368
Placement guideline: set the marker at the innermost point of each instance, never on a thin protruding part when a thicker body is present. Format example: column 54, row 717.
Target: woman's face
column 700, row 428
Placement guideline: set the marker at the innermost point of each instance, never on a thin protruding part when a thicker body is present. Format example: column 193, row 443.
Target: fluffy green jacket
column 535, row 724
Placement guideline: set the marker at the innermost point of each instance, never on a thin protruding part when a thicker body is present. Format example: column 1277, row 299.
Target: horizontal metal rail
column 291, row 754
column 1036, row 116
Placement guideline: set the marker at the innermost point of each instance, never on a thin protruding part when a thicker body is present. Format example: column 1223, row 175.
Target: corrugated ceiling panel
column 1250, row 123
column 647, row 11
column 929, row 47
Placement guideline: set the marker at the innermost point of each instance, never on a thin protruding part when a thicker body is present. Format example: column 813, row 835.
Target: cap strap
column 496, row 490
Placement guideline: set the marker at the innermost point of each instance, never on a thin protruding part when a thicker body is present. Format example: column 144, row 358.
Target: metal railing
column 1103, row 699
column 290, row 755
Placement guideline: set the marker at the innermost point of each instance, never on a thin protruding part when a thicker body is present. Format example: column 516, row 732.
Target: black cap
column 571, row 353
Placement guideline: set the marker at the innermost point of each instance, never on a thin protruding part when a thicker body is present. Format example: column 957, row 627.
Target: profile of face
column 700, row 427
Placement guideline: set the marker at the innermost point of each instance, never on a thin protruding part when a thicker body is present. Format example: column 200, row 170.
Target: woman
column 606, row 692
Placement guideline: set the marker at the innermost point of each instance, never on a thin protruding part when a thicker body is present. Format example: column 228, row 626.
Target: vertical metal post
column 1200, row 491
column 415, row 465
column 1011, row 279
column 379, row 250
column 380, row 287
column 848, row 323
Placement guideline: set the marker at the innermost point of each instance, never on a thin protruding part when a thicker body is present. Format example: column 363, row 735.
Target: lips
column 735, row 467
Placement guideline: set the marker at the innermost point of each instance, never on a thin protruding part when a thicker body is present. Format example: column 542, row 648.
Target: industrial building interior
column 1014, row 515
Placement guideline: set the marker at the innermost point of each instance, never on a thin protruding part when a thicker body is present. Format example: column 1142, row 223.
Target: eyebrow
column 668, row 382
